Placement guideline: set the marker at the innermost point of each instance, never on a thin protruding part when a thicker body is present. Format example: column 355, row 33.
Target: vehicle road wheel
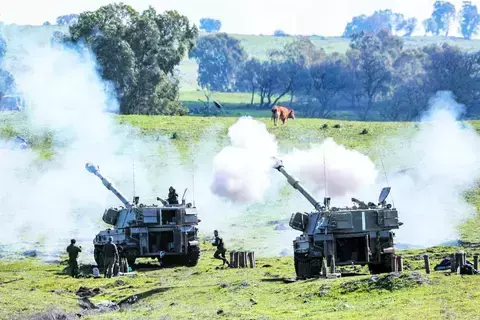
column 192, row 257
column 385, row 266
column 98, row 256
column 131, row 257
column 308, row 268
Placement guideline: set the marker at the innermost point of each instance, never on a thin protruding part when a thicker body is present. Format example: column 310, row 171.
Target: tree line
column 7, row 82
column 439, row 23
column 138, row 53
column 377, row 73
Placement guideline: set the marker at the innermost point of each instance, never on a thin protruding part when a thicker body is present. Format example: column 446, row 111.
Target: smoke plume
column 442, row 159
column 242, row 169
column 55, row 200
column 332, row 167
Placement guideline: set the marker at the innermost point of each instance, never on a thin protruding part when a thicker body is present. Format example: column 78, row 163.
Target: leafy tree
column 450, row 68
column 430, row 26
column 408, row 25
column 219, row 56
column 371, row 57
column 410, row 92
column 7, row 82
column 210, row 25
column 248, row 77
column 68, row 19
column 275, row 81
column 3, row 48
column 138, row 54
column 470, row 19
column 47, row 23
column 297, row 57
column 330, row 78
column 280, row 33
column 380, row 20
column 443, row 14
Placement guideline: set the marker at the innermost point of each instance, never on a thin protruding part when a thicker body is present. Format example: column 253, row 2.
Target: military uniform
column 220, row 252
column 111, row 255
column 172, row 196
column 73, row 252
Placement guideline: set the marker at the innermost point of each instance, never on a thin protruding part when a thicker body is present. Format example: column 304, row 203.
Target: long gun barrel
column 109, row 185
column 296, row 184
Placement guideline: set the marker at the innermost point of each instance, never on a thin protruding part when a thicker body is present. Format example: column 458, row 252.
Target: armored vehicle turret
column 167, row 232
column 361, row 234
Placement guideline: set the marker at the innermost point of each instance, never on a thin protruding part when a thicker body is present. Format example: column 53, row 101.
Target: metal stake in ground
column 427, row 263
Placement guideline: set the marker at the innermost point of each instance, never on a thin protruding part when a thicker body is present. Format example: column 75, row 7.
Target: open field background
column 28, row 286
column 210, row 292
column 255, row 45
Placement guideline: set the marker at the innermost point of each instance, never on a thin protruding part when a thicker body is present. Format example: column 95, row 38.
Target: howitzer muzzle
column 109, row 185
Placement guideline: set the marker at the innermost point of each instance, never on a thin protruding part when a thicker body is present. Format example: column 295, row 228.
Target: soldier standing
column 172, row 196
column 220, row 252
column 73, row 251
column 111, row 255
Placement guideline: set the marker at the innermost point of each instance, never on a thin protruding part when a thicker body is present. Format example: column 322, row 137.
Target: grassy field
column 299, row 133
column 28, row 287
column 209, row 291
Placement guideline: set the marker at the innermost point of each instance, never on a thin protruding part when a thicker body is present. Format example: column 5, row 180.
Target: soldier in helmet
column 111, row 255
column 172, row 196
column 220, row 252
column 73, row 250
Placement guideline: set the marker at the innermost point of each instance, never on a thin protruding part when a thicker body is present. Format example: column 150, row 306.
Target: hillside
column 188, row 135
column 255, row 45
column 30, row 287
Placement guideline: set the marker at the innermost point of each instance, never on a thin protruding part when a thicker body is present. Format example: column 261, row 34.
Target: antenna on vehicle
column 193, row 181
column 386, row 177
column 133, row 169
column 326, row 200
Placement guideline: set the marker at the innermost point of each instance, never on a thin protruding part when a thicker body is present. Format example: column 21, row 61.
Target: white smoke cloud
column 442, row 158
column 242, row 170
column 443, row 162
column 53, row 201
column 331, row 166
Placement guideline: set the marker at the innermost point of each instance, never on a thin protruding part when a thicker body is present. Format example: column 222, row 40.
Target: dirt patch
column 137, row 297
column 49, row 315
column 86, row 292
column 390, row 282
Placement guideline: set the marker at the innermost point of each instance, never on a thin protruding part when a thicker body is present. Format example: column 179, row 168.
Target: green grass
column 28, row 287
column 185, row 132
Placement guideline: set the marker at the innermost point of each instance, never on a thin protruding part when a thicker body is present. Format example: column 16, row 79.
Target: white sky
column 321, row 17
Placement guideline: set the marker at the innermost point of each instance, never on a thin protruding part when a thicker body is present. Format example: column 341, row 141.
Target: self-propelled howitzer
column 167, row 232
column 361, row 234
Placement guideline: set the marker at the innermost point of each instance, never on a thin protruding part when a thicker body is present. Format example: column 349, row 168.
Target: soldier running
column 73, row 251
column 220, row 252
column 111, row 255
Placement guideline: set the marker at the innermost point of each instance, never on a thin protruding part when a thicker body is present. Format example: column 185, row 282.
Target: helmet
column 72, row 241
column 110, row 239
